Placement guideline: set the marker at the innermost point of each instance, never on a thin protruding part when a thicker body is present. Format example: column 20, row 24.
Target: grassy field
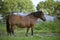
column 42, row 31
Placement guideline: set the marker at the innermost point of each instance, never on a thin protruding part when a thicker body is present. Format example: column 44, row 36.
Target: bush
column 48, row 26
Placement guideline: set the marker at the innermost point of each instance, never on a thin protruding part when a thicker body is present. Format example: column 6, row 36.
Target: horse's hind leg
column 27, row 31
column 31, row 30
column 12, row 30
column 9, row 30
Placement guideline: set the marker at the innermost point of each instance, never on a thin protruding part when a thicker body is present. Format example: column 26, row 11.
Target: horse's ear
column 41, row 10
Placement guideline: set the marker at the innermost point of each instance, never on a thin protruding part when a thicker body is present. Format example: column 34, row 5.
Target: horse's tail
column 7, row 25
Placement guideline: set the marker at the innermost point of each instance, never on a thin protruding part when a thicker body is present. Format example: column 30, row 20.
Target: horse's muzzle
column 44, row 19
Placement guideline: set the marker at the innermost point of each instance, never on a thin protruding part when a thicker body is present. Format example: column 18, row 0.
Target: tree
column 26, row 6
column 16, row 6
column 0, row 3
column 50, row 6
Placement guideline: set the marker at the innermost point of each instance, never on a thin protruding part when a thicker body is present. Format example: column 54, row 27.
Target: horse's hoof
column 26, row 35
column 31, row 34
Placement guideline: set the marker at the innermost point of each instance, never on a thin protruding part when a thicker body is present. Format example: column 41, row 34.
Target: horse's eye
column 38, row 13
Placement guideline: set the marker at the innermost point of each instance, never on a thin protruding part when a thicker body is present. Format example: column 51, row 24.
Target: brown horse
column 27, row 21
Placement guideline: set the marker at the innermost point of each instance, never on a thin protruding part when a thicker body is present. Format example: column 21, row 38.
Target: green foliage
column 57, row 7
column 26, row 6
column 50, row 6
column 16, row 6
column 0, row 3
column 48, row 26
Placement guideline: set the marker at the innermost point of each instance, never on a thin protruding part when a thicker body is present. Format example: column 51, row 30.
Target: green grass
column 2, row 26
column 29, row 38
column 39, row 30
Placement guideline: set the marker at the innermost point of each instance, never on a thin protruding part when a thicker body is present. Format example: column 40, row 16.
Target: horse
column 27, row 22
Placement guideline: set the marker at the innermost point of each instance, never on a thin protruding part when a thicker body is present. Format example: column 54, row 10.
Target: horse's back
column 14, row 19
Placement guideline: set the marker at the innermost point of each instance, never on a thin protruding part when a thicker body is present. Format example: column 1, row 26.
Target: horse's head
column 40, row 15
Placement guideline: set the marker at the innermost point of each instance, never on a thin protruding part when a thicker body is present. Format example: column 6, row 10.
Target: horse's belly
column 24, row 25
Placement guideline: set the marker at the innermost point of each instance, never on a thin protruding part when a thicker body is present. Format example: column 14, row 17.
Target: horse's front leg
column 27, row 31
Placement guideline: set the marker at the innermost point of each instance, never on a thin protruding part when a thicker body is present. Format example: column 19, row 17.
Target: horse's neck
column 32, row 16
